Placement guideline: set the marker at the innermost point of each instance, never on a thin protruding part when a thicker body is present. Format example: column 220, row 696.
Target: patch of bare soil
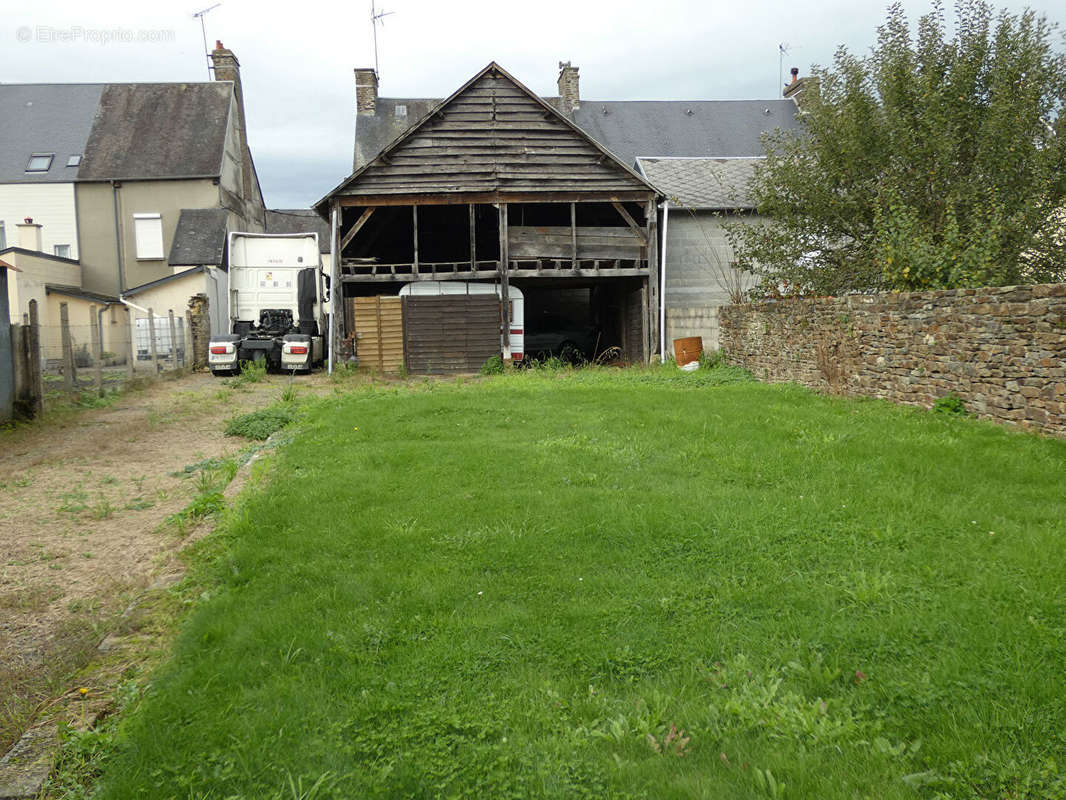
column 84, row 501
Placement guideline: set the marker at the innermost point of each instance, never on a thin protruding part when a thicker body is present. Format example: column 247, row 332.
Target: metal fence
column 100, row 348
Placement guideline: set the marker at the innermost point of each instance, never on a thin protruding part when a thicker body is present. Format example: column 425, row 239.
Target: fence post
column 131, row 353
column 180, row 321
column 68, row 349
column 151, row 343
column 96, row 347
column 173, row 340
column 35, row 393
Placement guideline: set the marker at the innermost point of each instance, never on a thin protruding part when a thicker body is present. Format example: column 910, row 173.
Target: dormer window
column 74, row 160
column 40, row 162
column 401, row 110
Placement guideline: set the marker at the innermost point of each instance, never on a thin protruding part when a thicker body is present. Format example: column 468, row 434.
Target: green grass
column 637, row 584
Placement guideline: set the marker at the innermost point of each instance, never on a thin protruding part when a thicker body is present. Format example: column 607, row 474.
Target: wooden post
column 505, row 304
column 98, row 350
column 188, row 338
column 183, row 350
column 473, row 239
column 68, row 348
column 573, row 235
column 94, row 331
column 131, row 352
column 652, row 217
column 35, row 395
column 173, row 340
column 414, row 219
column 151, row 343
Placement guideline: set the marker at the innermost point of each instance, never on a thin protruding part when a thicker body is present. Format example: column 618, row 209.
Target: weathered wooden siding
column 558, row 242
column 494, row 135
column 378, row 331
column 452, row 333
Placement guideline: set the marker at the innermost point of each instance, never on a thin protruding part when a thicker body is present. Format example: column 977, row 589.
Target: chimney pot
column 366, row 91
column 795, row 74
column 29, row 220
column 569, row 86
column 218, row 44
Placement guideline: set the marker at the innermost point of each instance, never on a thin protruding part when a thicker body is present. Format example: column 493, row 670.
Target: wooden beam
column 473, row 237
column 494, row 197
column 414, row 218
column 632, row 223
column 505, row 303
column 652, row 215
column 573, row 235
column 355, row 228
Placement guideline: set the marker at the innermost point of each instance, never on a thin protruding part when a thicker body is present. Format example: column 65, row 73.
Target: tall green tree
column 939, row 160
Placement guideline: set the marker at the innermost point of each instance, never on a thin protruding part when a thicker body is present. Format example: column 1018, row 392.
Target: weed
column 101, row 509
column 73, row 501
column 492, row 366
column 260, row 424
column 950, row 404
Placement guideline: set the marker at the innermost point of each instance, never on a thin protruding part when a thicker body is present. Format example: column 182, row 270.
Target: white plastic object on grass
column 691, row 366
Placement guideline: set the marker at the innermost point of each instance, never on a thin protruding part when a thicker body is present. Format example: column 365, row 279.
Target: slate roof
column 629, row 128
column 298, row 220
column 158, row 130
column 707, row 183
column 177, row 276
column 714, row 129
column 200, row 237
column 82, row 294
column 45, row 118
column 373, row 133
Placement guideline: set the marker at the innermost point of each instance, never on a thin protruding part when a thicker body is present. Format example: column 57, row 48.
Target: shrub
column 950, row 403
column 260, row 424
column 492, row 366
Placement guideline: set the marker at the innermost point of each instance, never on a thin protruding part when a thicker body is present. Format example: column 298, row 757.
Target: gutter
column 662, row 284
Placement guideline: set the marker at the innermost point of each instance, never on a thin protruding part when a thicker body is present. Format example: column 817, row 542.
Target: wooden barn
column 491, row 186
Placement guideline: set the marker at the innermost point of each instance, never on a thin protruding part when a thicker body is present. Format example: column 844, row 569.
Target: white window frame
column 55, row 250
column 148, row 237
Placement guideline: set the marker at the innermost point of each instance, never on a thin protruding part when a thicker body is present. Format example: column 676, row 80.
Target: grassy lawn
column 624, row 585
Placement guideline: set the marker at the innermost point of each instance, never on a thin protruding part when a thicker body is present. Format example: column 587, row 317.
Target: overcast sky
column 297, row 57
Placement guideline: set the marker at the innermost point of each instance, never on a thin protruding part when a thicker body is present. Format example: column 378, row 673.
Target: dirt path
column 84, row 500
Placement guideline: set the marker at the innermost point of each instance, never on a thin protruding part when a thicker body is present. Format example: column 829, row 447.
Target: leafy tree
column 936, row 161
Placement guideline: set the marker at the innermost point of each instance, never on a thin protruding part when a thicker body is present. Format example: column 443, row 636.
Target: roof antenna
column 782, row 51
column 377, row 18
column 203, row 29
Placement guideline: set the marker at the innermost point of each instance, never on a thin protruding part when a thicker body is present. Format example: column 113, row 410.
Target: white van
column 514, row 295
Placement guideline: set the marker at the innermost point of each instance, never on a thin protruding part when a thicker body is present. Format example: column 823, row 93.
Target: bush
column 492, row 366
column 260, row 424
column 950, row 403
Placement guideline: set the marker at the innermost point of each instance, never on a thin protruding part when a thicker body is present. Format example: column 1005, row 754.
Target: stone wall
column 1002, row 350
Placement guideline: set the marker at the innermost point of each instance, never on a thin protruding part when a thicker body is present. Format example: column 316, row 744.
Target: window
column 148, row 235
column 74, row 160
column 40, row 162
column 62, row 250
column 3, row 236
column 401, row 110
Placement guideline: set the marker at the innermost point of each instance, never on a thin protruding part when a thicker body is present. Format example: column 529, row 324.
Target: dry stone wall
column 1001, row 350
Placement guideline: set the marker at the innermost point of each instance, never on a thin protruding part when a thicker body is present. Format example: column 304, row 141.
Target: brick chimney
column 29, row 235
column 799, row 89
column 568, row 86
column 366, row 91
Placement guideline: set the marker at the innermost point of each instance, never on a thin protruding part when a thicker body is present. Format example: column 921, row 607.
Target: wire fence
column 101, row 348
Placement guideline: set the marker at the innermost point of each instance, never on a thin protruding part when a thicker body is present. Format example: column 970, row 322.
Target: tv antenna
column 377, row 18
column 203, row 29
column 782, row 51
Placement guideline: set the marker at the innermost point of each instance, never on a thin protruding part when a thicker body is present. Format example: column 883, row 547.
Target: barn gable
column 493, row 135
